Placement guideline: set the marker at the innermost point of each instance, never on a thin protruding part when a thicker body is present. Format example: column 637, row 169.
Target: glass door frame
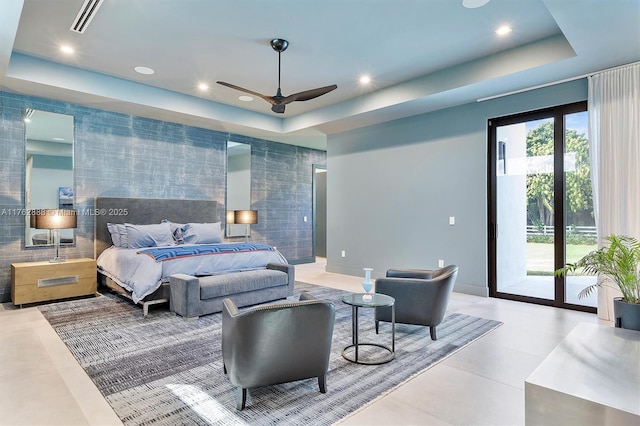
column 558, row 114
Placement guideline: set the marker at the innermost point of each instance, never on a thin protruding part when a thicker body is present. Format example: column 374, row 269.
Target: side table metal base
column 384, row 360
column 356, row 345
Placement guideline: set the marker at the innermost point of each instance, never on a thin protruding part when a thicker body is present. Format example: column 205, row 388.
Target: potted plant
column 619, row 260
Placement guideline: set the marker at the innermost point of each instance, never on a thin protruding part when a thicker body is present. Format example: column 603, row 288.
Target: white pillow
column 176, row 230
column 202, row 233
column 156, row 235
column 117, row 230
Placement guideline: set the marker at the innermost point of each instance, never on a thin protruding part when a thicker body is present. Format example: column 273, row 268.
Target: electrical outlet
column 344, row 254
column 440, row 263
column 304, row 219
column 452, row 220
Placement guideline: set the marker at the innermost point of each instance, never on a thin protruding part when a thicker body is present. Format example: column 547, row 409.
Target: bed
column 141, row 271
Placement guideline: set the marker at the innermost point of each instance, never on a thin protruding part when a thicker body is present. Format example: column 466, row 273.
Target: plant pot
column 626, row 315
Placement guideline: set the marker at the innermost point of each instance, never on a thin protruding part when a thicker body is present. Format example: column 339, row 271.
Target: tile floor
column 482, row 384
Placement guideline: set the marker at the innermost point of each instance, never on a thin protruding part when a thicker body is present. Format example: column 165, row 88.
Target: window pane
column 580, row 232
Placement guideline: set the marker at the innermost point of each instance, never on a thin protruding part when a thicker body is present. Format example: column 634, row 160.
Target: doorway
column 540, row 206
column 319, row 211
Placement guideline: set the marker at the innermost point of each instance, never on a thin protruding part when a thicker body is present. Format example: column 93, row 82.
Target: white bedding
column 142, row 275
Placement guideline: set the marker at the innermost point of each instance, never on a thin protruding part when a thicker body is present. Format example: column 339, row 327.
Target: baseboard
column 474, row 290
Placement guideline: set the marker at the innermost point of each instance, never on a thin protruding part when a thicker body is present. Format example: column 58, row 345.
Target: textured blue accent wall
column 120, row 155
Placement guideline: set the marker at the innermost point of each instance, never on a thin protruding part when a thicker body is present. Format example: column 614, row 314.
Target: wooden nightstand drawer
column 42, row 281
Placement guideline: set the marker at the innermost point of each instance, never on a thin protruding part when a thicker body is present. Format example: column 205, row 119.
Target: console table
column 591, row 378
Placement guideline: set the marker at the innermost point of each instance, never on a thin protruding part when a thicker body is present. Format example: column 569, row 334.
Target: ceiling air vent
column 85, row 15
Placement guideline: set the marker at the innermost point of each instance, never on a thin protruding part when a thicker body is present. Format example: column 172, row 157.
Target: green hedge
column 571, row 239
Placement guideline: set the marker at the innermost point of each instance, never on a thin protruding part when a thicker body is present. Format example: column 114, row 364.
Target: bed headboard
column 143, row 211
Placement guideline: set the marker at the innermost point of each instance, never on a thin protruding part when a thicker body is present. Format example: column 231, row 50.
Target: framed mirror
column 49, row 179
column 238, row 183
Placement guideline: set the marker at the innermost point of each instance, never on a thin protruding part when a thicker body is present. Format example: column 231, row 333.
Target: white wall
column 512, row 208
column 392, row 187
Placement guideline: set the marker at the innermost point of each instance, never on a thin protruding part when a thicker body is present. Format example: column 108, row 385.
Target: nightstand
column 43, row 281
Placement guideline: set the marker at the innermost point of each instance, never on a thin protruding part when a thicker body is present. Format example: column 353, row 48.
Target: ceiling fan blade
column 308, row 94
column 251, row 92
column 279, row 108
column 278, row 101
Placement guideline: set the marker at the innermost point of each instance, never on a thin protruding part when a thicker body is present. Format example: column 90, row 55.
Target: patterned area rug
column 163, row 370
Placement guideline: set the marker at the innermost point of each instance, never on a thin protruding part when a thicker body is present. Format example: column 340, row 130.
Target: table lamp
column 56, row 219
column 244, row 217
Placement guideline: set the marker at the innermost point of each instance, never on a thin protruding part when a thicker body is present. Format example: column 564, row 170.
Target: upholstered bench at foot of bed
column 194, row 296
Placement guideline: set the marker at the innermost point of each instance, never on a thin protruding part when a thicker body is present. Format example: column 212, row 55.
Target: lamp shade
column 231, row 217
column 56, row 219
column 245, row 217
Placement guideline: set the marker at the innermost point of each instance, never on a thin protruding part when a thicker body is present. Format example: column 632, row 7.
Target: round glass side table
column 369, row 300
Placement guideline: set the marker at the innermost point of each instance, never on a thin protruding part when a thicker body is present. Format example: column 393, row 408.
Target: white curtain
column 614, row 135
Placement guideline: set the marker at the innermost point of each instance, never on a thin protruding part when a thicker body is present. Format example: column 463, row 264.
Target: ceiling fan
column 278, row 102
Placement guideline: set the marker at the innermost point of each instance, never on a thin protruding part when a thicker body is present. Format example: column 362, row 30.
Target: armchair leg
column 322, row 383
column 377, row 322
column 224, row 368
column 432, row 330
column 241, row 398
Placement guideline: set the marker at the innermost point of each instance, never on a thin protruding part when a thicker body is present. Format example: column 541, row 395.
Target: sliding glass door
column 540, row 206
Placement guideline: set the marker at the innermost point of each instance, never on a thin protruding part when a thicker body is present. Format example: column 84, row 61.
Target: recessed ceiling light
column 203, row 86
column 503, row 30
column 144, row 70
column 65, row 48
column 472, row 4
column 27, row 120
column 245, row 98
column 58, row 139
column 365, row 79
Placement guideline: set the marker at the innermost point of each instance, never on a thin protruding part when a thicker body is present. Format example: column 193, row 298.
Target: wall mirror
column 238, row 183
column 48, row 180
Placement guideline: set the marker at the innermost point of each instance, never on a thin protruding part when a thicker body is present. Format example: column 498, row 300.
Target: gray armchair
column 276, row 343
column 422, row 296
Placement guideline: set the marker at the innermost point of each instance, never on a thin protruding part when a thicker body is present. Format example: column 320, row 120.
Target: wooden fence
column 575, row 230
